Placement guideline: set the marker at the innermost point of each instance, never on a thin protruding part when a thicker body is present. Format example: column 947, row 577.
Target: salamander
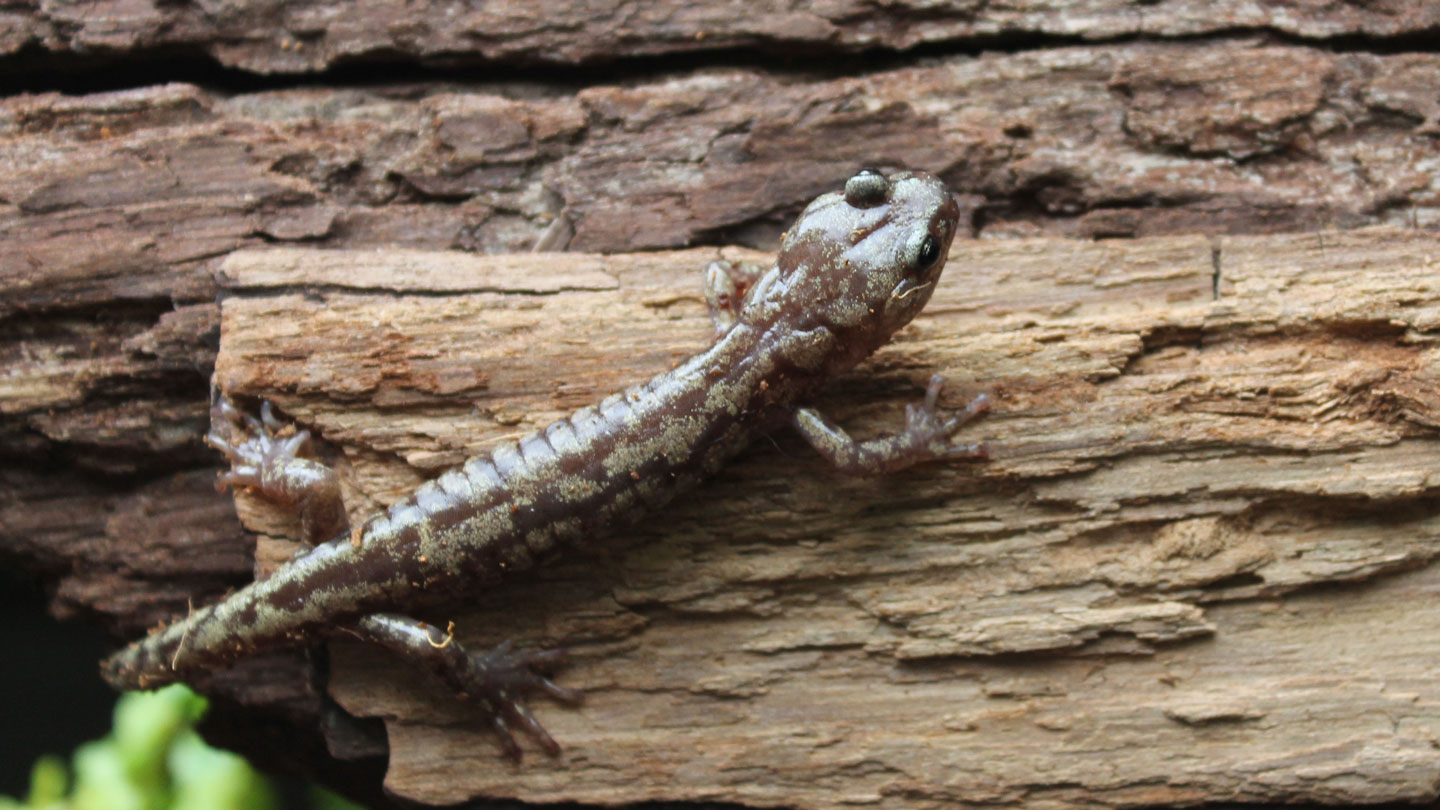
column 856, row 266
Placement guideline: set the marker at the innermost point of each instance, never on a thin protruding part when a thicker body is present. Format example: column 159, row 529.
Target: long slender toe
column 932, row 391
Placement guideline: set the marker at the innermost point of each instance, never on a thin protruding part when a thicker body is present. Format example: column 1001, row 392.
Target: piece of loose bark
column 1195, row 571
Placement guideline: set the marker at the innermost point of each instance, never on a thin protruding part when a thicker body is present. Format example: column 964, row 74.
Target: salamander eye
column 928, row 254
column 867, row 189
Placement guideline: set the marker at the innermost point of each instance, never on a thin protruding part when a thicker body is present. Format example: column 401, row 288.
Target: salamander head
column 861, row 262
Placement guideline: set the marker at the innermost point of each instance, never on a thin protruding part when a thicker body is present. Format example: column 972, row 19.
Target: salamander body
column 854, row 268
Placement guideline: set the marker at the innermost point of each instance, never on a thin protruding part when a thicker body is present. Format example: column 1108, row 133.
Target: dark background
column 54, row 698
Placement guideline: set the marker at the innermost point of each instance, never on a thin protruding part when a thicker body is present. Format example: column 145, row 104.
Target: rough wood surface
column 1190, row 574
column 280, row 37
column 605, row 127
column 1081, row 141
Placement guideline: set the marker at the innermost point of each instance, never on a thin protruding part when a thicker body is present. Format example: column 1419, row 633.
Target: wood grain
column 271, row 38
column 1195, row 570
column 1235, row 441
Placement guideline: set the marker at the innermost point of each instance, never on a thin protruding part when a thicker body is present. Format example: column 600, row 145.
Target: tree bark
column 274, row 37
column 1201, row 289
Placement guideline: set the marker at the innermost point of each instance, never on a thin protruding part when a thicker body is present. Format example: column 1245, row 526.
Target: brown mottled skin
column 855, row 267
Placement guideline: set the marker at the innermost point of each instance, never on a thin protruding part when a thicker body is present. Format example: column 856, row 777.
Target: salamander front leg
column 926, row 437
column 495, row 681
column 726, row 284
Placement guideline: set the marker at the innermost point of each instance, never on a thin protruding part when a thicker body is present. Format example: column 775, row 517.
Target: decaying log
column 1080, row 141
column 1175, row 473
column 1196, row 569
column 273, row 37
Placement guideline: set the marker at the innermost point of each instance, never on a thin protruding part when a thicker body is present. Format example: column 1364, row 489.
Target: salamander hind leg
column 495, row 681
column 926, row 436
column 272, row 458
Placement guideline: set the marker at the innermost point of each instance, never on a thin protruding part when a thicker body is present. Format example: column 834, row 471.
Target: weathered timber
column 271, row 37
column 1196, row 570
column 1080, row 141
column 117, row 208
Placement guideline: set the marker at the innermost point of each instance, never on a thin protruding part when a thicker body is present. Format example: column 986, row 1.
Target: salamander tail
column 147, row 663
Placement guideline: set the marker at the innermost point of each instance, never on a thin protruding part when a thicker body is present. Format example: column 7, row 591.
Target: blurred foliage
column 153, row 760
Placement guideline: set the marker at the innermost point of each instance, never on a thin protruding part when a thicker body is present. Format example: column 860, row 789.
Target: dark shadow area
column 54, row 698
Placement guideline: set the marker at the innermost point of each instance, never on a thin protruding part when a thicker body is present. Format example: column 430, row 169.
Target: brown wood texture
column 1160, row 496
column 278, row 37
column 1208, row 496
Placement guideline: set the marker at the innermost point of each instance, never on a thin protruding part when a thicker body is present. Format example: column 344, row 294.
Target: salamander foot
column 726, row 284
column 251, row 445
column 498, row 680
column 272, row 458
column 495, row 681
column 933, row 433
column 926, row 437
